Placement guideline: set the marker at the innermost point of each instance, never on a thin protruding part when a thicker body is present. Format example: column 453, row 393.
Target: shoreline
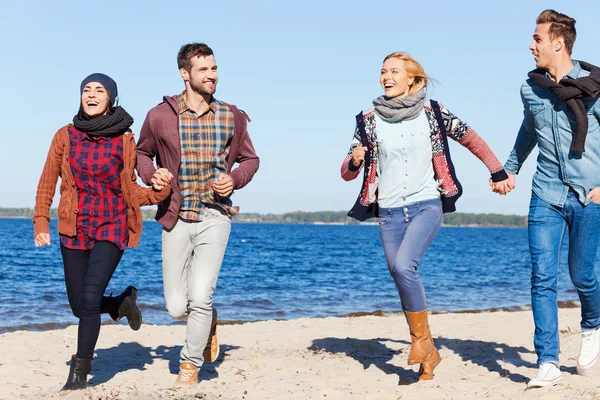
column 35, row 327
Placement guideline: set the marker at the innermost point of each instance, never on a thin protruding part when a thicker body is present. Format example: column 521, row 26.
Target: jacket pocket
column 64, row 206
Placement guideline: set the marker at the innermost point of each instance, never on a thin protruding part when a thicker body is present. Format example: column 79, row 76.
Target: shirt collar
column 575, row 71
column 183, row 107
column 572, row 74
column 82, row 137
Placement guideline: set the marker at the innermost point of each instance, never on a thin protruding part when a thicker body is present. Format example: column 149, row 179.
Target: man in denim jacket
column 561, row 115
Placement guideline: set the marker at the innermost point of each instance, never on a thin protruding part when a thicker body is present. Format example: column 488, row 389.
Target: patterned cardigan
column 442, row 123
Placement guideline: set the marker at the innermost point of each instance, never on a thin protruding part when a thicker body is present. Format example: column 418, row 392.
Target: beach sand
column 487, row 355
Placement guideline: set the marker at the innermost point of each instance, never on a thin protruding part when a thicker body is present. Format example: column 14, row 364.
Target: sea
column 283, row 271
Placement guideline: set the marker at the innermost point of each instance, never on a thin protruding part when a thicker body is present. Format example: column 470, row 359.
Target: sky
column 300, row 69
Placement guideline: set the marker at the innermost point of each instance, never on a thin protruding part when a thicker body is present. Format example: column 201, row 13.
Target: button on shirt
column 404, row 166
column 550, row 124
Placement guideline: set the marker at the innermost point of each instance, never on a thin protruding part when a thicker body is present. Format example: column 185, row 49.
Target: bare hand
column 161, row 178
column 594, row 195
column 42, row 239
column 358, row 155
column 223, row 186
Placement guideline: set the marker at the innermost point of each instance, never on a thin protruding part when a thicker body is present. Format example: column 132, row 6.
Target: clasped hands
column 504, row 187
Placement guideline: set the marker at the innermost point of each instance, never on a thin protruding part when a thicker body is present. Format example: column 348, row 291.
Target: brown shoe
column 427, row 367
column 211, row 351
column 188, row 375
column 422, row 347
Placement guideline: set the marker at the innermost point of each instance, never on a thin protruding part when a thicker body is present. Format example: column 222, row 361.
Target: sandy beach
column 485, row 356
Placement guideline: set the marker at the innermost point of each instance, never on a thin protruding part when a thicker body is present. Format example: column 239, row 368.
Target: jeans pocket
column 384, row 218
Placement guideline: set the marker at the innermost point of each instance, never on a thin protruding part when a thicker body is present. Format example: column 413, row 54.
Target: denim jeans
column 547, row 226
column 406, row 232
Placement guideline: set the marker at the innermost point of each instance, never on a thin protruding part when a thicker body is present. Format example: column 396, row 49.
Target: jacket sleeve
column 47, row 184
column 467, row 137
column 144, row 196
column 146, row 151
column 247, row 159
column 348, row 170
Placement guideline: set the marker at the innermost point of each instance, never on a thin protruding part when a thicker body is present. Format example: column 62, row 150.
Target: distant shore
column 324, row 218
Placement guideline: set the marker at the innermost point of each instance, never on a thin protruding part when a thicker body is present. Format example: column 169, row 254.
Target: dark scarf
column 114, row 124
column 573, row 91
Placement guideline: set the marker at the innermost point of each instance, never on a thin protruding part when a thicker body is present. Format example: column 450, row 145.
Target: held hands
column 42, row 239
column 358, row 155
column 223, row 186
column 506, row 186
column 161, row 178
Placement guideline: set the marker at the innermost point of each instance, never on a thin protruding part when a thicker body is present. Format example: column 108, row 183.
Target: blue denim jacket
column 549, row 123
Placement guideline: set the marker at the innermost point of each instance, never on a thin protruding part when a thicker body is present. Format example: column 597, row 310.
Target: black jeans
column 87, row 273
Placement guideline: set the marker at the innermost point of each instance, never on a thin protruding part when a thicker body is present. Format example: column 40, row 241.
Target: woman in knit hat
column 98, row 213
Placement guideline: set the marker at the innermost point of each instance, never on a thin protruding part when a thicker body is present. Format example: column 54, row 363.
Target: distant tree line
column 321, row 217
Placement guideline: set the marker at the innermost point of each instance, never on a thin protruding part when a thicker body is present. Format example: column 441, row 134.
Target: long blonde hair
column 414, row 69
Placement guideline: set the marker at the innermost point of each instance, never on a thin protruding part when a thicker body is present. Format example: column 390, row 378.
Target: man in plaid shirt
column 199, row 139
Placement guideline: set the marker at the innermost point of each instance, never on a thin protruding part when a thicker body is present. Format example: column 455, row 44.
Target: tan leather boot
column 188, row 375
column 421, row 347
column 427, row 367
column 211, row 351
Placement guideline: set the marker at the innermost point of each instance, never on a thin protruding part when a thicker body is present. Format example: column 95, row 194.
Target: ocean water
column 281, row 271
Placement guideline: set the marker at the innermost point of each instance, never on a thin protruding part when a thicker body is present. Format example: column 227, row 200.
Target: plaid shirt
column 102, row 214
column 205, row 140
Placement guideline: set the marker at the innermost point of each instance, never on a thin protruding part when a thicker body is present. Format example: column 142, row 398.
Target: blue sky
column 301, row 70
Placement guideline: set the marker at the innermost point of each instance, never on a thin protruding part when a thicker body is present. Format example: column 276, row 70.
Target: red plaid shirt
column 96, row 163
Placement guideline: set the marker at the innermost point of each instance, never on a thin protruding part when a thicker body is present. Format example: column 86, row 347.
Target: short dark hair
column 189, row 51
column 560, row 25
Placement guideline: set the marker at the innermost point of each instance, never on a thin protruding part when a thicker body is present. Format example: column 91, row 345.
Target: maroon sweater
column 159, row 138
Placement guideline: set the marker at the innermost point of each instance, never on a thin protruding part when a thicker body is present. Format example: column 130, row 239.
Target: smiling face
column 95, row 100
column 202, row 76
column 394, row 78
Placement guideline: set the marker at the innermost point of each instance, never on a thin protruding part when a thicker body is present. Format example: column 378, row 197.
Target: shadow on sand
column 134, row 356
column 375, row 352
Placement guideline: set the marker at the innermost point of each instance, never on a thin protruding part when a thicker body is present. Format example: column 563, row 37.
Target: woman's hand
column 161, row 178
column 358, row 155
column 42, row 239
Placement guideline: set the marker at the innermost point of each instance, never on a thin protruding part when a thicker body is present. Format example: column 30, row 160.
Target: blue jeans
column 547, row 226
column 406, row 232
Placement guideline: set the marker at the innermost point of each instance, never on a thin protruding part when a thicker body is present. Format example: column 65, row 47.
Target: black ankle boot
column 78, row 372
column 128, row 308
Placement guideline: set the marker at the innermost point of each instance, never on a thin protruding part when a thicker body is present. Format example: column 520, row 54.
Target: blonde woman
column 409, row 182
